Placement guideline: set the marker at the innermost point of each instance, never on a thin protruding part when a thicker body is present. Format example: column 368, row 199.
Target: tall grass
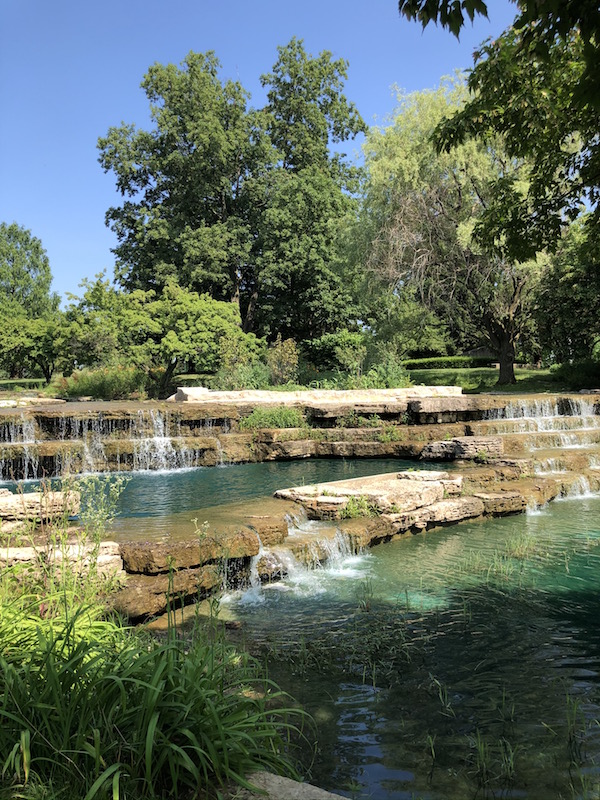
column 91, row 708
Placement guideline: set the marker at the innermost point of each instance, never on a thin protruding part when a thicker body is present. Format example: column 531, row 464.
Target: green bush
column 279, row 417
column 282, row 360
column 89, row 708
column 107, row 383
column 244, row 376
column 344, row 351
column 581, row 374
column 447, row 362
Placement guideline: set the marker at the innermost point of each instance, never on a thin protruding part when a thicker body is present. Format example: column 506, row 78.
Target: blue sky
column 70, row 69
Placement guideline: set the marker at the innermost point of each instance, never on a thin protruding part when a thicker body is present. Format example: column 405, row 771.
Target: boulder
column 106, row 557
column 497, row 504
column 146, row 595
column 270, row 530
column 455, row 510
column 38, row 506
column 276, row 787
column 152, row 558
column 473, row 448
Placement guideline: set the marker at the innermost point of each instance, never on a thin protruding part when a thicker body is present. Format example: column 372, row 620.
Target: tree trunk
column 507, row 361
column 164, row 386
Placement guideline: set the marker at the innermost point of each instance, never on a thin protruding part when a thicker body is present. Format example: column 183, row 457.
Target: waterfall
column 579, row 488
column 20, row 432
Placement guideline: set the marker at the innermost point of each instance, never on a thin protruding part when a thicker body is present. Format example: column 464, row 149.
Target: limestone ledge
column 393, row 504
column 310, row 397
column 37, row 506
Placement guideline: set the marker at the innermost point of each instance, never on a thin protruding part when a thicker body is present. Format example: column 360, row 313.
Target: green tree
column 542, row 22
column 184, row 182
column 25, row 276
column 537, row 85
column 164, row 333
column 243, row 205
column 29, row 316
column 567, row 299
column 299, row 291
column 421, row 210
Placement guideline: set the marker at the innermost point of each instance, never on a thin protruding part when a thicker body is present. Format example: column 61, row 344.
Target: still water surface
column 460, row 663
column 455, row 664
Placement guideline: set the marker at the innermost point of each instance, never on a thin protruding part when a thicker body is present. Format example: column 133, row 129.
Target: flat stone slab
column 310, row 397
column 386, row 493
column 275, row 787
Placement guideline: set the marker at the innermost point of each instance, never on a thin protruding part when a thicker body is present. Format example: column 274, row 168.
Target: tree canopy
column 29, row 316
column 537, row 85
column 242, row 204
column 422, row 209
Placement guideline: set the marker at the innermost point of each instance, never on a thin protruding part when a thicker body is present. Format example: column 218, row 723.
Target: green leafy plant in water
column 444, row 698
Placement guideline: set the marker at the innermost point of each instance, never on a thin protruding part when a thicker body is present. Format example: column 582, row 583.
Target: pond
column 459, row 663
column 168, row 501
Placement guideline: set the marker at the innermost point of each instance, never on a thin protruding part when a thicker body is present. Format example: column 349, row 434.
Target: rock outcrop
column 35, row 507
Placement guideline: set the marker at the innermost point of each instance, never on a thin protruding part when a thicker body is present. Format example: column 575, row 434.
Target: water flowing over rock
column 514, row 454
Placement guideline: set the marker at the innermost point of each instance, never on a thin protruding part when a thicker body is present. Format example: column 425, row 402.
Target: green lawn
column 484, row 379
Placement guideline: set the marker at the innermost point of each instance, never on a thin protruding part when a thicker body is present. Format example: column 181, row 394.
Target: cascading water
column 20, row 432
column 149, row 439
column 565, row 422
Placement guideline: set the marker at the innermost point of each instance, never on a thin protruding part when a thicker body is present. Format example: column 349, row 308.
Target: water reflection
column 459, row 663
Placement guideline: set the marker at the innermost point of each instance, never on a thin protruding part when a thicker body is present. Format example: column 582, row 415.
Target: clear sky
column 70, row 69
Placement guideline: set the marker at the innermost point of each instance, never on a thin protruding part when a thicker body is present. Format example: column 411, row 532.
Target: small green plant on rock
column 358, row 506
column 390, row 433
column 278, row 417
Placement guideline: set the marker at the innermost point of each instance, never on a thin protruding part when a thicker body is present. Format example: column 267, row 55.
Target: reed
column 90, row 707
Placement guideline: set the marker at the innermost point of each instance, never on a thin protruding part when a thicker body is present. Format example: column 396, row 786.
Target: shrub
column 89, row 707
column 582, row 374
column 358, row 506
column 282, row 360
column 278, row 417
column 255, row 375
column 344, row 351
column 106, row 383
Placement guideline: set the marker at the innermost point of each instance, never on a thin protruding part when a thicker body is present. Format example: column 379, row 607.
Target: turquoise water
column 167, row 501
column 459, row 663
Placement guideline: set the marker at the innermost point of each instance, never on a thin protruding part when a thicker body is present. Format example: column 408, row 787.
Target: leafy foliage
column 279, row 417
column 242, row 205
column 153, row 334
column 421, row 211
column 30, row 338
column 344, row 351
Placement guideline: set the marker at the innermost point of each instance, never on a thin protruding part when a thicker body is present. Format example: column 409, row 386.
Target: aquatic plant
column 90, row 707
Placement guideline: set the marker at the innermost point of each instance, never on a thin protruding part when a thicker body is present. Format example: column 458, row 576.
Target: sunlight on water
column 460, row 663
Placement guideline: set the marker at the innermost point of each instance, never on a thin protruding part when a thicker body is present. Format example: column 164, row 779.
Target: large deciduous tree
column 30, row 321
column 422, row 209
column 537, row 85
column 299, row 289
column 244, row 205
column 184, row 211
